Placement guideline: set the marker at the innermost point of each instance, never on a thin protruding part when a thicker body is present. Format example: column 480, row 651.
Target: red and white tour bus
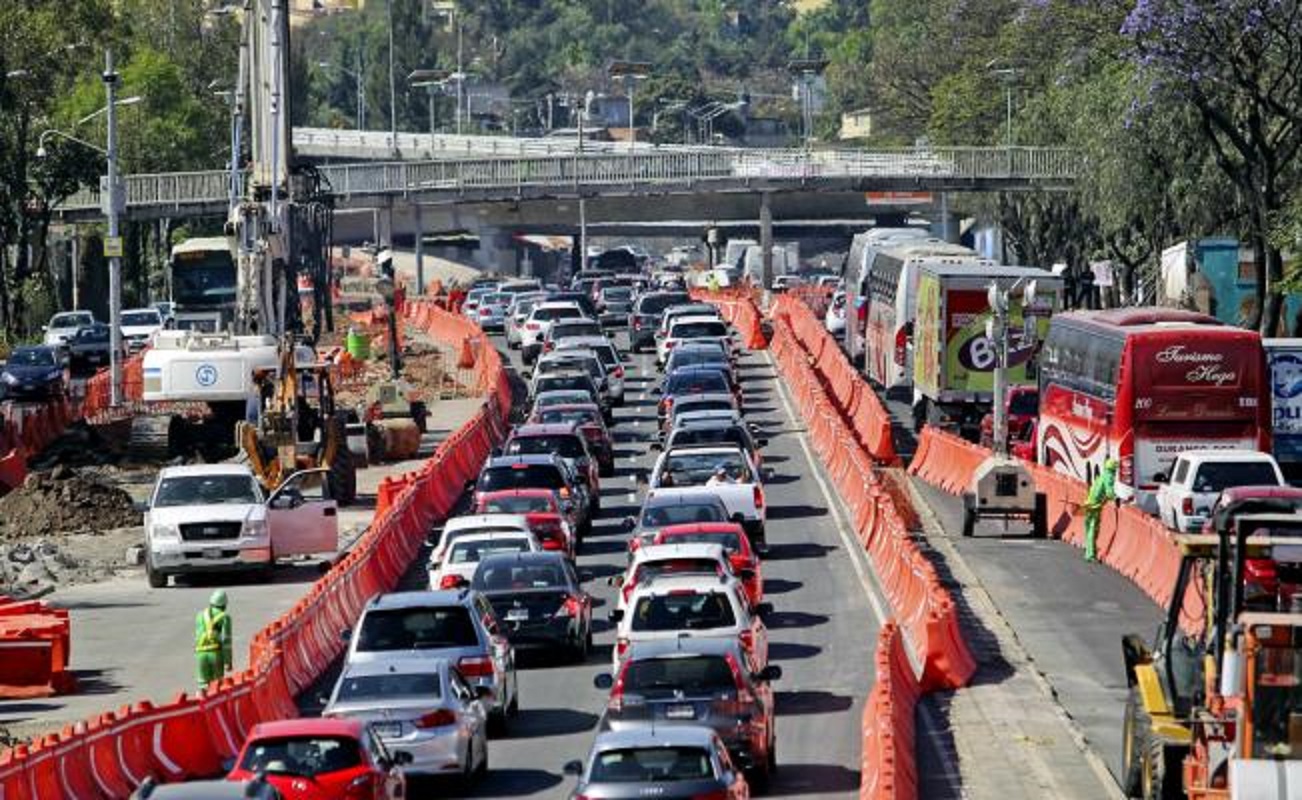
column 1143, row 385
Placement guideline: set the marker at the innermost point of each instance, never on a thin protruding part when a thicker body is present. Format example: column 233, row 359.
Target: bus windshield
column 204, row 278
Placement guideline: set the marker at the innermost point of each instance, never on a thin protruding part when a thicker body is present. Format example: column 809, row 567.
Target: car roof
column 571, row 406
column 706, row 449
column 702, row 527
column 421, row 599
column 655, row 552
column 716, row 421
column 659, row 736
column 486, row 520
column 489, row 536
column 545, row 429
column 205, row 469
column 664, row 584
column 548, row 304
column 580, row 342
column 704, row 397
column 1228, row 455
column 533, row 557
column 689, row 319
column 307, row 726
column 149, row 309
column 548, row 459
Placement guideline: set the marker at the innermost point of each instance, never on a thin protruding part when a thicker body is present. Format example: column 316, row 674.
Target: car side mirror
column 770, row 673
column 346, row 635
column 762, row 442
column 402, row 758
column 627, row 524
column 603, row 681
column 572, row 768
column 483, row 692
column 657, row 446
column 469, row 485
column 1159, row 477
column 763, row 609
column 615, row 615
column 737, row 518
column 615, row 581
column 497, row 451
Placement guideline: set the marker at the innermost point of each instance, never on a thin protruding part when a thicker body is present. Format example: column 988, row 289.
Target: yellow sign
column 113, row 247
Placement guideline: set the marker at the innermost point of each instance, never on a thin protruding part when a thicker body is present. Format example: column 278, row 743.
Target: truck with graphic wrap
column 953, row 355
column 1284, row 364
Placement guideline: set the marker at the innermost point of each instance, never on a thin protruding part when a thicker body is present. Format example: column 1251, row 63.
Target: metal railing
column 703, row 168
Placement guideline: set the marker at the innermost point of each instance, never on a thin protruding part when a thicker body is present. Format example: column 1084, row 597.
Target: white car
column 517, row 312
column 692, row 328
column 693, row 606
column 462, row 557
column 653, row 561
column 215, row 518
column 138, row 327
column 457, row 527
column 1199, row 476
column 610, row 359
column 741, row 488
column 834, row 320
column 63, row 326
column 539, row 321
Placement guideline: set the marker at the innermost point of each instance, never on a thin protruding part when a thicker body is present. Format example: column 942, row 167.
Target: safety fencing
column 1131, row 542
column 737, row 306
column 923, row 606
column 888, row 768
column 816, row 297
column 27, row 429
column 192, row 735
column 35, row 643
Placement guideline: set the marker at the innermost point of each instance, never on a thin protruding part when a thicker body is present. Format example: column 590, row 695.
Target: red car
column 591, row 424
column 543, row 511
column 1023, row 407
column 322, row 759
column 733, row 539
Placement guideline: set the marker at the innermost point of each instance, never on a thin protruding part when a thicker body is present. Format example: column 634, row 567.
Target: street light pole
column 110, row 78
column 393, row 86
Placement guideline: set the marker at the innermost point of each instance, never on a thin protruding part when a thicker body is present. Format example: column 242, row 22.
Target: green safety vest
column 210, row 630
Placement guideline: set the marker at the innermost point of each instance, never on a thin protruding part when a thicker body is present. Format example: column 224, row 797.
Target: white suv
column 691, row 606
column 1199, row 476
column 539, row 321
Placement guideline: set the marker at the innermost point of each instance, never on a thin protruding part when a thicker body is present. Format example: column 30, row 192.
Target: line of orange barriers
column 191, row 735
column 1133, row 543
column 36, row 642
column 818, row 298
column 888, row 768
column 737, row 306
column 924, row 608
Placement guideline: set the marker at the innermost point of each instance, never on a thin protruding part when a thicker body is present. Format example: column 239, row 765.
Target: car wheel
column 497, row 724
column 157, row 580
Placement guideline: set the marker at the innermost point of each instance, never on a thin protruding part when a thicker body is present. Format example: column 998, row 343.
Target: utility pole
column 114, row 241
column 393, row 86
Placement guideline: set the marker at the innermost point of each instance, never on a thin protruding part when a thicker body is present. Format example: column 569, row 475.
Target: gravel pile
column 62, row 501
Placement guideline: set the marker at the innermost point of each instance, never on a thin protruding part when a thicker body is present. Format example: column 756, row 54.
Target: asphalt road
column 1068, row 615
column 822, row 631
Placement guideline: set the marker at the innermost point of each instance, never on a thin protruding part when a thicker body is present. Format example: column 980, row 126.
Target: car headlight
column 9, row 379
column 255, row 528
column 164, row 532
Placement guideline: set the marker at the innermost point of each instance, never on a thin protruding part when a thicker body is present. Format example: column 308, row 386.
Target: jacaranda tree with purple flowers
column 1238, row 63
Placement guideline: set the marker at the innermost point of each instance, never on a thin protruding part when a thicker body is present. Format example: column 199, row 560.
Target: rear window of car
column 304, row 756
column 1216, row 477
column 422, row 628
column 474, row 552
column 563, row 397
column 660, row 516
column 728, row 540
column 617, row 294
column 368, row 687
column 651, row 764
column 500, row 575
column 580, row 416
column 689, row 611
column 721, row 435
column 566, row 446
column 656, row 303
column 525, row 504
column 521, row 476
column 678, row 566
column 551, row 383
column 684, row 406
column 563, row 329
column 548, row 314
column 660, row 678
column 697, row 382
column 692, row 358
column 692, row 468
column 687, row 330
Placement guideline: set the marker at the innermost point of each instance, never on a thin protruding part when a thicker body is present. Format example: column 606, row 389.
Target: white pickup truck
column 726, row 471
column 215, row 518
column 1199, row 476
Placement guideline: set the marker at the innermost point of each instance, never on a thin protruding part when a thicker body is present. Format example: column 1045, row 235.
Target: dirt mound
column 61, row 501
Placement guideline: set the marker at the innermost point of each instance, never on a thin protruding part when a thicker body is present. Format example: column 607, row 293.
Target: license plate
column 681, row 712
column 388, row 730
column 212, row 554
column 517, row 614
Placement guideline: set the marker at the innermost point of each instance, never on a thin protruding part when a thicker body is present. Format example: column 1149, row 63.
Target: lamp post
column 1007, row 75
column 361, row 92
column 429, row 80
column 393, row 86
column 806, row 70
column 114, row 239
column 630, row 72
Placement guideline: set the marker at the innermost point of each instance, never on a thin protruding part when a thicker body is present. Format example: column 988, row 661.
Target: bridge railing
column 652, row 166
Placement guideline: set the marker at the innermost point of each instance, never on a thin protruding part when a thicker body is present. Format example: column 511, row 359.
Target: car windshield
column 688, row 610
column 678, row 566
column 685, row 406
column 561, row 397
column 93, row 333
column 651, row 764
column 581, row 416
column 518, row 504
column 1025, row 403
column 721, row 435
column 572, row 329
column 564, row 312
column 474, row 552
column 693, row 469
column 695, row 357
column 203, row 490
column 729, row 540
column 33, row 357
column 377, row 687
column 688, row 330
column 666, row 678
column 421, row 628
column 552, row 383
column 497, row 299
column 617, row 294
column 682, row 513
column 521, row 476
column 554, row 365
column 562, row 445
column 70, row 320
column 512, row 574
column 141, row 318
column 306, row 756
column 1216, row 477
column 697, row 382
column 656, row 303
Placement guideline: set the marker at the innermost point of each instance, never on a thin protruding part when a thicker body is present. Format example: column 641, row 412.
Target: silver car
column 458, row 625
column 491, row 313
column 610, row 359
column 666, row 762
column 420, row 706
column 517, row 313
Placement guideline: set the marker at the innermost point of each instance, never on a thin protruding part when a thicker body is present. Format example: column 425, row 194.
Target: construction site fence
column 191, row 735
column 36, row 643
column 737, row 306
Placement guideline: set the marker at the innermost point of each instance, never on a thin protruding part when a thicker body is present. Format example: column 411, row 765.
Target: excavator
column 1215, row 704
column 299, row 426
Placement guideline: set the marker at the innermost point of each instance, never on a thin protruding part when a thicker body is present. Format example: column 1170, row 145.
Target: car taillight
column 548, row 346
column 533, row 326
column 901, row 346
column 739, row 562
column 450, row 581
column 669, row 345
column 637, row 323
column 759, row 498
column 747, row 639
column 551, row 545
column 570, row 608
column 621, row 646
column 360, row 788
column 619, row 372
column 476, row 667
column 1186, row 506
column 437, row 719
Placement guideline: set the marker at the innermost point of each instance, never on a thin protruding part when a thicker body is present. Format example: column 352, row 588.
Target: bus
column 1143, row 385
column 891, row 294
column 862, row 250
column 204, row 282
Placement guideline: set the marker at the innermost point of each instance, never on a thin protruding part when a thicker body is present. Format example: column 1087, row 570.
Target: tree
column 1238, row 64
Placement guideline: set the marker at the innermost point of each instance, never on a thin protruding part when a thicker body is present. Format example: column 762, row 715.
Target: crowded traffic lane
column 821, row 632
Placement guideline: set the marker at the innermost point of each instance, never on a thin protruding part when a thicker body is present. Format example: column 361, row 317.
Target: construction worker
column 1103, row 489
column 212, row 640
column 712, row 281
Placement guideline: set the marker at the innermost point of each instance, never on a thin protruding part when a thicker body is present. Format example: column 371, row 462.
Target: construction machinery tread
column 153, row 437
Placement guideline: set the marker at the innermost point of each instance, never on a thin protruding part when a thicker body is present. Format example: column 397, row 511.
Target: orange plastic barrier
column 889, row 769
column 739, row 309
column 946, row 461
column 35, row 641
column 13, row 470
